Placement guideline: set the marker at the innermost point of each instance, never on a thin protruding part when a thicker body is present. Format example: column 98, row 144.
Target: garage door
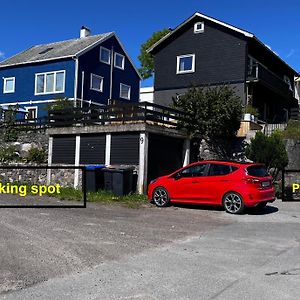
column 164, row 156
column 125, row 149
column 92, row 149
column 63, row 151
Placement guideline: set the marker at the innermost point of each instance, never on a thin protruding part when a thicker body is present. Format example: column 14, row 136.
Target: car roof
column 228, row 162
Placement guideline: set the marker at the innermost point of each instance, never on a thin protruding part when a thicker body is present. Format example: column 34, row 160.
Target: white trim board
column 32, row 102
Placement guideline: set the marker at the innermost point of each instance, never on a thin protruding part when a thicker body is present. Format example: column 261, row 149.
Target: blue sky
column 31, row 22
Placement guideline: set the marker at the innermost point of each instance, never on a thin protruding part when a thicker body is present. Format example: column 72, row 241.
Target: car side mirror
column 177, row 176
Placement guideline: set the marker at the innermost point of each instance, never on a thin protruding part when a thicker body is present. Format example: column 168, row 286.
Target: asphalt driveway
column 112, row 252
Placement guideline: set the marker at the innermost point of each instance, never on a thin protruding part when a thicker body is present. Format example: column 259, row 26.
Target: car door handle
column 224, row 180
column 195, row 181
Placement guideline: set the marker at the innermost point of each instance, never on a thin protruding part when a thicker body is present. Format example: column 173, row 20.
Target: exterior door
column 188, row 183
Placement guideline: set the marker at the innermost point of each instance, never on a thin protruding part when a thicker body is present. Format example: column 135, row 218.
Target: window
column 96, row 83
column 218, row 169
column 119, row 61
column 199, row 27
column 257, row 171
column 186, row 63
column 31, row 113
column 194, row 171
column 105, row 55
column 50, row 82
column 288, row 82
column 9, row 85
column 125, row 91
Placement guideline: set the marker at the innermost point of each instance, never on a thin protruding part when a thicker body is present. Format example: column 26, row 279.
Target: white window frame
column 91, row 85
column 196, row 29
column 287, row 80
column 4, row 85
column 54, row 84
column 105, row 62
column 31, row 107
column 123, row 61
column 178, row 64
column 129, row 92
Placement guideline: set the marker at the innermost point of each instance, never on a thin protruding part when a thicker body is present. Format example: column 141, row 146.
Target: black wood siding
column 220, row 56
column 165, row 155
column 92, row 149
column 125, row 149
column 63, row 151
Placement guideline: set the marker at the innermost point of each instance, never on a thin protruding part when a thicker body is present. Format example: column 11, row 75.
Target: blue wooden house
column 92, row 70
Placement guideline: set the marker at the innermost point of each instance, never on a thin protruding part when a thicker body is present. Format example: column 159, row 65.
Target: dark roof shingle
column 53, row 51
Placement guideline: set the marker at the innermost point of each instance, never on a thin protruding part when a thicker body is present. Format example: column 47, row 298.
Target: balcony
column 259, row 73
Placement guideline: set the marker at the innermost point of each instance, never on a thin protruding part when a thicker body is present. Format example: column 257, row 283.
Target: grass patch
column 131, row 200
column 292, row 131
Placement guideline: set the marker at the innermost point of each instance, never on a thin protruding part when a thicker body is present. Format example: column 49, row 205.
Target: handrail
column 119, row 112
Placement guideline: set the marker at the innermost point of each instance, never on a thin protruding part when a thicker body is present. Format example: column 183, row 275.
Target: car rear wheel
column 161, row 197
column 233, row 203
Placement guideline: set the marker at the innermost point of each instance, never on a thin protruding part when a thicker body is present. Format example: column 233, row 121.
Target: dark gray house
column 203, row 51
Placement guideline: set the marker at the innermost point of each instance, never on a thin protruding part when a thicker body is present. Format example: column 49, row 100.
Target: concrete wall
column 293, row 149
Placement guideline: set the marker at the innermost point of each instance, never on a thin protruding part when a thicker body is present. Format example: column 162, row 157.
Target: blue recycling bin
column 94, row 178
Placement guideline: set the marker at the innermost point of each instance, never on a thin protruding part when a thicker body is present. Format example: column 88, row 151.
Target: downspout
column 111, row 73
column 82, row 85
column 76, row 80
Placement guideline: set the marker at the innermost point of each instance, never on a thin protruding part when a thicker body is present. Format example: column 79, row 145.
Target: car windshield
column 258, row 171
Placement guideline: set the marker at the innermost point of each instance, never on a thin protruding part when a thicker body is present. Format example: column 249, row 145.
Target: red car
column 233, row 185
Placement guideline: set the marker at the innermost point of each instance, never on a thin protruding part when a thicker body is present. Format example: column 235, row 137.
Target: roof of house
column 234, row 28
column 57, row 50
column 60, row 50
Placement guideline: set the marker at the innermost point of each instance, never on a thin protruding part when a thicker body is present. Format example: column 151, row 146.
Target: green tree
column 145, row 58
column 269, row 151
column 213, row 115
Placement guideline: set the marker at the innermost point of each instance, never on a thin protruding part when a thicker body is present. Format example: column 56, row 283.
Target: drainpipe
column 111, row 73
column 82, row 85
column 76, row 80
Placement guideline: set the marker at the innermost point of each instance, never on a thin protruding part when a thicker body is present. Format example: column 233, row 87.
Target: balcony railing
column 115, row 114
column 258, row 72
column 295, row 113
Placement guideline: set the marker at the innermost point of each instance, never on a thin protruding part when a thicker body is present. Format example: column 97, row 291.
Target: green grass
column 71, row 194
column 131, row 200
column 292, row 131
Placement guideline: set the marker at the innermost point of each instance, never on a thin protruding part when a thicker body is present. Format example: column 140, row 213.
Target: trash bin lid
column 119, row 167
column 94, row 167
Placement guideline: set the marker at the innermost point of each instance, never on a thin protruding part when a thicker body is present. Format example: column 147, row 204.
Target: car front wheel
column 233, row 203
column 161, row 197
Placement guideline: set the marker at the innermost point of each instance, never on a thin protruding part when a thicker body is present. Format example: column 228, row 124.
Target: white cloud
column 291, row 53
column 2, row 55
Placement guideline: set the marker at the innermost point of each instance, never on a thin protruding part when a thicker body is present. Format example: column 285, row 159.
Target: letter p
column 295, row 187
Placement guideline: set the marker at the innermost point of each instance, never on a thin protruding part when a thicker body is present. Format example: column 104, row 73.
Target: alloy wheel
column 161, row 197
column 233, row 203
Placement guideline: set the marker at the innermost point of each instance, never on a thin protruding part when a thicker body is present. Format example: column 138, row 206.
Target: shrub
column 36, row 155
column 9, row 154
column 252, row 110
column 60, row 104
column 269, row 151
column 292, row 130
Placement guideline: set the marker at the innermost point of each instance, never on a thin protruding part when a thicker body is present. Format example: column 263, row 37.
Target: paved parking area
column 112, row 252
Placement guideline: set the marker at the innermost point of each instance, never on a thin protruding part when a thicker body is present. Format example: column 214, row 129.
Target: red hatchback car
column 230, row 184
